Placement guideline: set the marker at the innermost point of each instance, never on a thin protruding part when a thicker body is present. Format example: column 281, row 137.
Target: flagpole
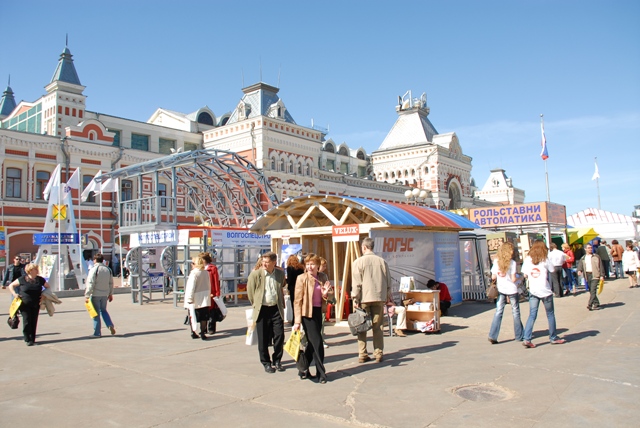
column 597, row 175
column 546, row 173
column 80, row 189
column 60, row 274
column 101, row 233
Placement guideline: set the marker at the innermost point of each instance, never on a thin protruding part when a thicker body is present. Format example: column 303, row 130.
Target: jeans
column 534, row 302
column 617, row 269
column 497, row 318
column 100, row 305
column 569, row 280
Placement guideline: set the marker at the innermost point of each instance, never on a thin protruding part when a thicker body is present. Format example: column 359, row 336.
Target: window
column 190, row 146
column 273, row 164
column 299, row 169
column 126, row 190
column 343, row 151
column 140, row 142
column 290, row 167
column 331, row 165
column 14, row 183
column 42, row 178
column 165, row 146
column 205, row 118
column 86, row 179
column 307, row 171
column 282, row 166
column 162, row 193
column 362, row 171
column 344, row 167
column 116, row 138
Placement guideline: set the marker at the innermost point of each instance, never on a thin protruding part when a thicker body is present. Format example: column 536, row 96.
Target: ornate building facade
column 59, row 129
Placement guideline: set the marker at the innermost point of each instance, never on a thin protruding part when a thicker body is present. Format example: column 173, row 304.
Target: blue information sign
column 52, row 238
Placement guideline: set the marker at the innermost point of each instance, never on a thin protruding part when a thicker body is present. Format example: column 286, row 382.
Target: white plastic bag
column 252, row 337
column 288, row 308
column 221, row 305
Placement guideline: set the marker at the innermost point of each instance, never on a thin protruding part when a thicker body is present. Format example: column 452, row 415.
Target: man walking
column 100, row 291
column 616, row 252
column 590, row 266
column 13, row 272
column 264, row 289
column 371, row 288
column 604, row 257
column 557, row 258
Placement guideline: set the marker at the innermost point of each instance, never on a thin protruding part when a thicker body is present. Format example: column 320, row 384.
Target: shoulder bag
column 492, row 291
column 359, row 321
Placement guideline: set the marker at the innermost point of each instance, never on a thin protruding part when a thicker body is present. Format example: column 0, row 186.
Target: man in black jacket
column 13, row 272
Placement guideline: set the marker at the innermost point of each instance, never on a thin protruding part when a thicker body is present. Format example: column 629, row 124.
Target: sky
column 489, row 70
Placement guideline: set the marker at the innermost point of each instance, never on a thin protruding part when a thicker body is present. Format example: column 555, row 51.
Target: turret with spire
column 7, row 102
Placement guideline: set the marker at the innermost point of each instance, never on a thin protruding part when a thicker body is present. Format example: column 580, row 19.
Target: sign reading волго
column 519, row 215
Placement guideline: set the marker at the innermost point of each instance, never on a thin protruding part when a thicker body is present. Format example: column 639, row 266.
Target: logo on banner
column 59, row 212
column 345, row 233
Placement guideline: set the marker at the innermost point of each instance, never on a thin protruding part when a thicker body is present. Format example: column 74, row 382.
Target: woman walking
column 567, row 267
column 197, row 297
column 312, row 290
column 504, row 272
column 536, row 267
column 30, row 292
column 630, row 264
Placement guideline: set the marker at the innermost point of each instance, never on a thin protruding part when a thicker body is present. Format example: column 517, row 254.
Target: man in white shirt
column 557, row 258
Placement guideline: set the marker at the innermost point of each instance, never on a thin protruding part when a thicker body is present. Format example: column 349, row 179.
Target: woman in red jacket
column 569, row 283
column 214, row 280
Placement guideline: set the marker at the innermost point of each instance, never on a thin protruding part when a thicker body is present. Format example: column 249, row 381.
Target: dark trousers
column 315, row 349
column 593, row 290
column 29, row 314
column 606, row 264
column 270, row 325
column 444, row 306
column 556, row 281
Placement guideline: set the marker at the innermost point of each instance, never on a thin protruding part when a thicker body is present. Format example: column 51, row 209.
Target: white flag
column 596, row 175
column 53, row 181
column 91, row 187
column 111, row 185
column 74, row 180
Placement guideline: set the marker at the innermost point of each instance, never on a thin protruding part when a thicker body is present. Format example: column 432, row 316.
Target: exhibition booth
column 416, row 241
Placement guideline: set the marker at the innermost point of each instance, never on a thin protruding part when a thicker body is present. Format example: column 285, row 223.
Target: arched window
column 343, row 151
column 205, row 118
column 290, row 167
column 307, row 171
column 299, row 168
column 282, row 166
column 14, row 183
column 426, row 170
column 329, row 148
column 454, row 196
column 42, row 178
column 273, row 164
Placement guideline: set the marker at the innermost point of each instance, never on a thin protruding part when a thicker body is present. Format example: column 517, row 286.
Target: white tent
column 608, row 225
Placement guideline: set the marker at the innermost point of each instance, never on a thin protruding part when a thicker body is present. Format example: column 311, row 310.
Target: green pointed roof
column 66, row 71
column 7, row 102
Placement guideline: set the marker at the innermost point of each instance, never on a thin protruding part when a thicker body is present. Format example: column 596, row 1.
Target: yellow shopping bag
column 293, row 345
column 15, row 305
column 91, row 309
column 600, row 286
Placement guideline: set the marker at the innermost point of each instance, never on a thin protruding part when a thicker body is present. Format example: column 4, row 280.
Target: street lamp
column 414, row 194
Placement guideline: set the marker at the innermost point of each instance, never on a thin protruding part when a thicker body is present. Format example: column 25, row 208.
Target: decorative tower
column 64, row 103
column 7, row 102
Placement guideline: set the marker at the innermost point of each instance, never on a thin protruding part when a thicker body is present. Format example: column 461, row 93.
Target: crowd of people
column 550, row 274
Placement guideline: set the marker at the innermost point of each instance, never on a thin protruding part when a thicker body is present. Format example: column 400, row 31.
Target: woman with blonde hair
column 30, row 292
column 503, row 272
column 536, row 267
column 197, row 297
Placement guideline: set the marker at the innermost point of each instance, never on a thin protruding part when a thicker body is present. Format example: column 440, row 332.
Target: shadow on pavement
column 611, row 305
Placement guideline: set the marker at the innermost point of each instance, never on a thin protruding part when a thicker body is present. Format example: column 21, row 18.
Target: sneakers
column 112, row 329
column 492, row 341
column 558, row 341
column 528, row 344
column 399, row 333
column 364, row 359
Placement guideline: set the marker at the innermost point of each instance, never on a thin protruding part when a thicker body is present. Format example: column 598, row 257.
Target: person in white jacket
column 197, row 297
column 630, row 264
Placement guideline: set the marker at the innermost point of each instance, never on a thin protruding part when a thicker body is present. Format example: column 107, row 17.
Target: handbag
column 90, row 309
column 292, row 347
column 13, row 322
column 15, row 305
column 359, row 321
column 492, row 291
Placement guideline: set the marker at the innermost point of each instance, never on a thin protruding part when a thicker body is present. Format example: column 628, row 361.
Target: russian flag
column 544, row 154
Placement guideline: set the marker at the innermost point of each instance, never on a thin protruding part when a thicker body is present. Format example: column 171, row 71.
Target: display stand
column 418, row 317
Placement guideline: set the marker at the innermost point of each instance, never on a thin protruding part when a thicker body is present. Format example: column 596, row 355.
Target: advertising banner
column 422, row 255
column 519, row 215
